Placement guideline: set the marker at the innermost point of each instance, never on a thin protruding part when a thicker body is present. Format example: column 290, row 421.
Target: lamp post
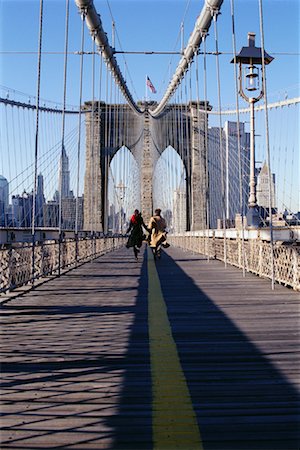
column 251, row 56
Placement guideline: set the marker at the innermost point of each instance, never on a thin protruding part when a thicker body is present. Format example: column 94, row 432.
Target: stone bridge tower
column 110, row 126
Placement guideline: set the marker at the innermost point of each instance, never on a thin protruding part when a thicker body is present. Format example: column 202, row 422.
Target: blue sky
column 142, row 25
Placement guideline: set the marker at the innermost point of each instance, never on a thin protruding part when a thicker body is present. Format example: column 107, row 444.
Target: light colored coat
column 157, row 226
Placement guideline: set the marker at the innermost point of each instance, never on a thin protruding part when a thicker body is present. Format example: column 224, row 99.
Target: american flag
column 150, row 85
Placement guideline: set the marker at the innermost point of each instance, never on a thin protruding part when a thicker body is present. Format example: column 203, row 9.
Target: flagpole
column 146, row 88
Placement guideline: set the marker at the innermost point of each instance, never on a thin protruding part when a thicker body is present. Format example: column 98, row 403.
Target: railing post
column 76, row 249
column 239, row 249
column 295, row 266
column 9, row 277
column 260, row 257
column 214, row 246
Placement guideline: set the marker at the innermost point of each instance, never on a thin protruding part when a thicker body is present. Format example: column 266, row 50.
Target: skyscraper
column 68, row 202
column 40, row 201
column 4, row 199
column 64, row 175
column 262, row 187
column 224, row 172
column 232, row 168
column 22, row 206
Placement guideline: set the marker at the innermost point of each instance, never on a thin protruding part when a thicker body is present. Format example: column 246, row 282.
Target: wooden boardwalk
column 78, row 354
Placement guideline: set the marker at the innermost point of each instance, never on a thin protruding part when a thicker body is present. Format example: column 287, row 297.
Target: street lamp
column 251, row 56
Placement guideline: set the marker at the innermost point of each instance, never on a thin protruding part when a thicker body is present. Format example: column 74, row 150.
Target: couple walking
column 156, row 229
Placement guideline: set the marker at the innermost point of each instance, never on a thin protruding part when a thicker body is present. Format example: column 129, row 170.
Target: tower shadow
column 133, row 423
column 241, row 400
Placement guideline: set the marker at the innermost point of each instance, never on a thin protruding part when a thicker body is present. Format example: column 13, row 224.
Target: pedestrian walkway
column 181, row 353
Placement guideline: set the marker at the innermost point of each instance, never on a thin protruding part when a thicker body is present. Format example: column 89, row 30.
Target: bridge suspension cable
column 94, row 24
column 221, row 148
column 63, row 129
column 268, row 157
column 202, row 25
column 79, row 136
column 239, row 147
column 36, row 146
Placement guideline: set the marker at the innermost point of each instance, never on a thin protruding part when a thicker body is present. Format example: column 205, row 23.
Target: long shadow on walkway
column 241, row 400
column 133, row 423
column 65, row 356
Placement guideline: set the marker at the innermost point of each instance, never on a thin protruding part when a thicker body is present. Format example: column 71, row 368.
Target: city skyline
column 282, row 76
column 175, row 206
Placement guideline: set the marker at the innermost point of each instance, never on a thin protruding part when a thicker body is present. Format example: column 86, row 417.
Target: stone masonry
column 108, row 127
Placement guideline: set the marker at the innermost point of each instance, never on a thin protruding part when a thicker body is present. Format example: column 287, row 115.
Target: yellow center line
column 174, row 421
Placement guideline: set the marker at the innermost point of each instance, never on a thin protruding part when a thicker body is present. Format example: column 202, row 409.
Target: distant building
column 51, row 213
column 224, row 172
column 179, row 211
column 262, row 187
column 40, row 201
column 232, row 185
column 22, row 206
column 4, row 200
column 69, row 213
column 64, row 176
column 291, row 218
column 68, row 201
column 113, row 219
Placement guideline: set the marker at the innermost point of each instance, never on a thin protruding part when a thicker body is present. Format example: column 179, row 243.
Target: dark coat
column 136, row 231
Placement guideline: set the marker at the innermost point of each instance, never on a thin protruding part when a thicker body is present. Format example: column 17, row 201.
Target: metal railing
column 257, row 255
column 16, row 259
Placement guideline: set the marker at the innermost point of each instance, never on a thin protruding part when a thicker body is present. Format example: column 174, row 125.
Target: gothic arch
column 146, row 138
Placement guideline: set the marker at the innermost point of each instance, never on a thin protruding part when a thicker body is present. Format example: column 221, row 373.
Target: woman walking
column 136, row 236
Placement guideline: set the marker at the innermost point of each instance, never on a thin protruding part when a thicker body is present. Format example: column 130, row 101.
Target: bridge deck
column 89, row 363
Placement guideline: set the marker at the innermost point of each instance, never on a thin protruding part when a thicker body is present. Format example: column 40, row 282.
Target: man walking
column 158, row 235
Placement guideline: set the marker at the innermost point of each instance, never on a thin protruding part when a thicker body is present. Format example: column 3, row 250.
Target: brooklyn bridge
column 194, row 346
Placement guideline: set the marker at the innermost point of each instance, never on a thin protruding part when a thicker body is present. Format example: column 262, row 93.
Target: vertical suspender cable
column 99, row 101
column 189, row 155
column 267, row 136
column 116, row 117
column 198, row 104
column 92, row 179
column 238, row 135
column 183, row 154
column 207, row 196
column 215, row 13
column 79, row 133
column 105, row 166
column 36, row 137
column 63, row 138
column 190, row 135
column 110, row 132
column 178, row 140
column 100, row 124
column 204, row 218
column 8, row 147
